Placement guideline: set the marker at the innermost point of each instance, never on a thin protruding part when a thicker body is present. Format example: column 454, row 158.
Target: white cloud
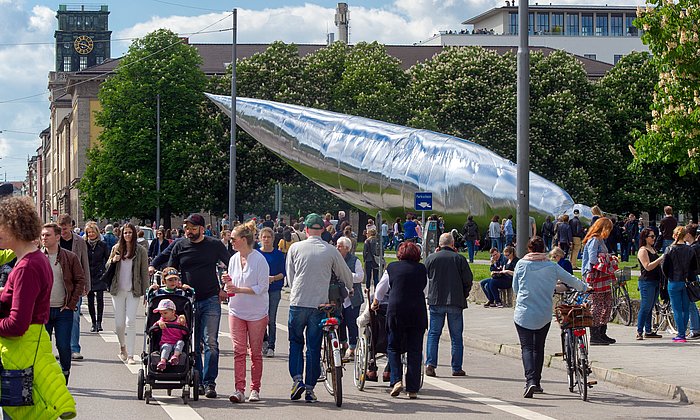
column 43, row 19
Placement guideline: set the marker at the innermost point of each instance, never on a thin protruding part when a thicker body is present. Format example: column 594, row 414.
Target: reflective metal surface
column 379, row 166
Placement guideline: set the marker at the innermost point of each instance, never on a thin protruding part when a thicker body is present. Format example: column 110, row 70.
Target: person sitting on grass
column 171, row 339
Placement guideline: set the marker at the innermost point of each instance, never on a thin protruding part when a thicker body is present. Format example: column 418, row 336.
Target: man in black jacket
column 449, row 282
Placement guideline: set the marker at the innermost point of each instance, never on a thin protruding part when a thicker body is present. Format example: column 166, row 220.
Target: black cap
column 6, row 189
column 195, row 219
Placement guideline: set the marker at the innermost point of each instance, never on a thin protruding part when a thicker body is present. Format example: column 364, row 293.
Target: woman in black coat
column 97, row 257
column 158, row 245
column 406, row 317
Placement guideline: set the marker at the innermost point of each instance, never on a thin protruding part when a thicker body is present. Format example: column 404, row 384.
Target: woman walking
column 598, row 269
column 534, row 280
column 158, row 245
column 129, row 285
column 275, row 260
column 97, row 256
column 350, row 313
column 679, row 264
column 247, row 283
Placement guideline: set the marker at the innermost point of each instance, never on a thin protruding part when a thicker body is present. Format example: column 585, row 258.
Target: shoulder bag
column 108, row 275
column 692, row 286
column 17, row 385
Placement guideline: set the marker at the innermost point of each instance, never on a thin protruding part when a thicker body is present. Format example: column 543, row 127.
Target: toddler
column 171, row 339
column 172, row 285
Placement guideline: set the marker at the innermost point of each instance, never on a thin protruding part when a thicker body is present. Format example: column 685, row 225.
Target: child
column 171, row 338
column 172, row 285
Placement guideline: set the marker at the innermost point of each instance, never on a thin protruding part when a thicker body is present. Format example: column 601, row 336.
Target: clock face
column 83, row 44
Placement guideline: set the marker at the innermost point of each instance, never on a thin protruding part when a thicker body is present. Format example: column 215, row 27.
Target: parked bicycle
column 331, row 360
column 622, row 305
column 574, row 315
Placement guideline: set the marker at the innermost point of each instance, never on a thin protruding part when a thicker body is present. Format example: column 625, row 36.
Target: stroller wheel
column 170, row 392
column 195, row 385
column 141, row 384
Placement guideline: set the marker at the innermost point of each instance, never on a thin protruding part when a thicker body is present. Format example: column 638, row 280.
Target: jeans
column 243, row 334
column 62, row 322
column 564, row 247
column 206, row 334
column 275, row 296
column 455, row 324
column 385, row 241
column 625, row 251
column 548, row 243
column 680, row 303
column 497, row 243
column 412, row 338
column 470, row 249
column 509, row 240
column 75, row 332
column 532, row 348
column 649, row 294
column 125, row 307
column 371, row 274
column 665, row 244
column 349, row 322
column 694, row 318
column 492, row 286
column 308, row 319
column 99, row 297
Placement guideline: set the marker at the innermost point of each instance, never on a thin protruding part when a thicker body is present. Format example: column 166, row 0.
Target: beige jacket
column 140, row 280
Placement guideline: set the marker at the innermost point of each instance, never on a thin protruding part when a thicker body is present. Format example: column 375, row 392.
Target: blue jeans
column 275, row 296
column 470, row 249
column 497, row 243
column 62, row 323
column 665, row 244
column 410, row 341
column 532, row 349
column 649, row 293
column 75, row 334
column 548, row 243
column 455, row 324
column 206, row 333
column 509, row 240
column 694, row 318
column 299, row 320
column 680, row 303
column 492, row 286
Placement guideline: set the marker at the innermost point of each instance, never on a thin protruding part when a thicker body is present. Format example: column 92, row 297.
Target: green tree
column 120, row 180
column 673, row 136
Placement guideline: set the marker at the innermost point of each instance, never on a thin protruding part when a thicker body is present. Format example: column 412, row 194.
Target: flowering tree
column 673, row 136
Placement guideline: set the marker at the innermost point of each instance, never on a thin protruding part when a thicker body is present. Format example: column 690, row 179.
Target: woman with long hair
column 598, row 270
column 129, row 285
column 97, row 256
column 247, row 283
column 679, row 264
column 158, row 245
column 649, row 282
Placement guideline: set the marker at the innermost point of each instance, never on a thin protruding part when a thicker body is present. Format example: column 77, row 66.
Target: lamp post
column 523, row 130
column 232, row 147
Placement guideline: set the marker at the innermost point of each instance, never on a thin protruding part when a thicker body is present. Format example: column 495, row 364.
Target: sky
column 27, row 42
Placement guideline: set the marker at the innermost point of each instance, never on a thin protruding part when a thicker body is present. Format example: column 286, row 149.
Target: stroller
column 183, row 375
column 460, row 244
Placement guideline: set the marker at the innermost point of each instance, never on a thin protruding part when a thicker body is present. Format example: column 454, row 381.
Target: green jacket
column 52, row 399
column 140, row 280
column 6, row 255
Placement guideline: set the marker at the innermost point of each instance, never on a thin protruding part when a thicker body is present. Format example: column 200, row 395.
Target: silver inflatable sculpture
column 377, row 166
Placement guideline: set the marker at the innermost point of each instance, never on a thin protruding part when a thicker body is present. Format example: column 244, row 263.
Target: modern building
column 603, row 33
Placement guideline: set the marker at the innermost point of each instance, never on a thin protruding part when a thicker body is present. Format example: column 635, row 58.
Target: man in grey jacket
column 309, row 267
column 449, row 282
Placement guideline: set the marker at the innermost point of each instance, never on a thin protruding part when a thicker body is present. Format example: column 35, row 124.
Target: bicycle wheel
column 581, row 368
column 338, row 386
column 624, row 306
column 568, row 354
column 361, row 362
column 615, row 303
column 327, row 365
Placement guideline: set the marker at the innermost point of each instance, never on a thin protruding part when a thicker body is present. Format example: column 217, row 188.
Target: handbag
column 17, row 385
column 692, row 286
column 108, row 275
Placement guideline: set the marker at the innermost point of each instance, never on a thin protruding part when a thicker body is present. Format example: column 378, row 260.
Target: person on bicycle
column 534, row 280
column 309, row 267
column 649, row 282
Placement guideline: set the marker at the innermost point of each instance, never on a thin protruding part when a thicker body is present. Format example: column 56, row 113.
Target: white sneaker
column 270, row 353
column 237, row 397
column 254, row 396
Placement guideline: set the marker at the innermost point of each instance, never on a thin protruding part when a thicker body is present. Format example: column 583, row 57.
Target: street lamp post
column 232, row 147
column 158, row 160
column 523, row 140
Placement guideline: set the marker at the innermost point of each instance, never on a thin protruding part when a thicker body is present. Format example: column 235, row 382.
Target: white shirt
column 256, row 275
column 126, row 275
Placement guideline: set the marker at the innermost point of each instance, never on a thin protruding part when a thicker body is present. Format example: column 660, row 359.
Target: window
column 590, row 56
column 66, row 64
column 601, row 25
column 100, row 60
column 557, row 23
column 572, row 25
column 616, row 24
column 531, row 23
column 83, row 63
column 543, row 23
column 513, row 23
column 617, row 58
column 630, row 29
column 587, row 24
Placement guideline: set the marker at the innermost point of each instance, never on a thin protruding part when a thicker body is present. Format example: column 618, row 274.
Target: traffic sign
column 423, row 201
column 54, row 212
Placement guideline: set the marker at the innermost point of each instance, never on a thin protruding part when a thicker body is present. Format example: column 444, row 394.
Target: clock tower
column 82, row 39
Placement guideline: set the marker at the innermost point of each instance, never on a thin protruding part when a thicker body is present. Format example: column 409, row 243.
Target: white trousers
column 125, row 307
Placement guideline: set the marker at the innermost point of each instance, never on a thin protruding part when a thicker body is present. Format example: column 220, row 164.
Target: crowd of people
column 247, row 265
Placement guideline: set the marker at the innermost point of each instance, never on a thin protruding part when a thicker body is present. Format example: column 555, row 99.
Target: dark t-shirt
column 67, row 245
column 269, row 223
column 197, row 262
column 666, row 227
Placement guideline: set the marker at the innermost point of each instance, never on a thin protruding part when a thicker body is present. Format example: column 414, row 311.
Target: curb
column 639, row 383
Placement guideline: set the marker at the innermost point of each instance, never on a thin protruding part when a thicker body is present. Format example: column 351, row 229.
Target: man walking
column 666, row 226
column 74, row 243
column 310, row 264
column 577, row 236
column 197, row 256
column 68, row 284
column 449, row 282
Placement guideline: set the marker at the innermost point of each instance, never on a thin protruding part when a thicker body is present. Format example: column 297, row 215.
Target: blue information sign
column 424, row 201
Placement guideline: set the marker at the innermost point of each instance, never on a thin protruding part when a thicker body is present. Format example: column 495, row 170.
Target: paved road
column 105, row 388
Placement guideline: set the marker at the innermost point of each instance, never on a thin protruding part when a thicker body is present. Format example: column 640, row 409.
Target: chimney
column 342, row 21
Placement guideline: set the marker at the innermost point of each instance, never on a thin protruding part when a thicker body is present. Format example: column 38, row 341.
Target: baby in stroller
column 171, row 339
column 172, row 285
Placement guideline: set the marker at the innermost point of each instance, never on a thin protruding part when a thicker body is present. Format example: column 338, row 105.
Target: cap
column 575, row 211
column 170, row 272
column 195, row 219
column 165, row 304
column 314, row 221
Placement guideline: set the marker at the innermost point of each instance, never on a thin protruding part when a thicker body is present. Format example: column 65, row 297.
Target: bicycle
column 574, row 315
column 662, row 317
column 331, row 359
column 622, row 306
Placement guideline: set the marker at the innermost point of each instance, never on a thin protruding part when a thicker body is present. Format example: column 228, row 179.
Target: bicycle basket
column 573, row 316
column 622, row 276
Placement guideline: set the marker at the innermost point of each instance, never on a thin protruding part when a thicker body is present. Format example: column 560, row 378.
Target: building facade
column 83, row 38
column 603, row 33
